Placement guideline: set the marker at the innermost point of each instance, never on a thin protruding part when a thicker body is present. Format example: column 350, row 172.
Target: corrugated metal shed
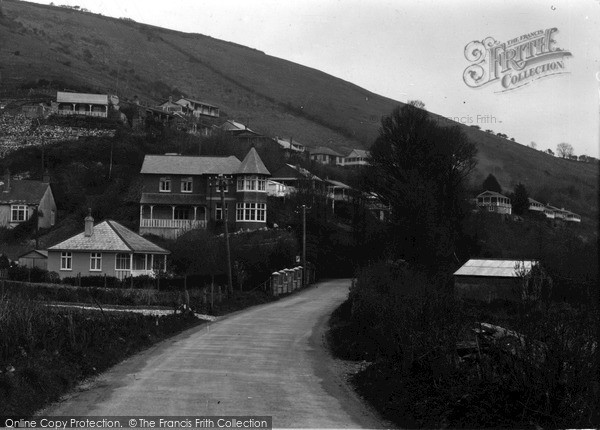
column 94, row 99
column 494, row 268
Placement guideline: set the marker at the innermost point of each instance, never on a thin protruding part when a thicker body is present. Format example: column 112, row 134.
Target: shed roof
column 109, row 236
column 187, row 165
column 24, row 192
column 252, row 165
column 494, row 268
column 95, row 99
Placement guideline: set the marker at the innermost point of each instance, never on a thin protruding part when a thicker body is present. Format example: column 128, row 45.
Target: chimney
column 89, row 224
column 7, row 181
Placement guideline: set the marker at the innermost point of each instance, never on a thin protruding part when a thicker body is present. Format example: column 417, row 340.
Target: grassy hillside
column 87, row 51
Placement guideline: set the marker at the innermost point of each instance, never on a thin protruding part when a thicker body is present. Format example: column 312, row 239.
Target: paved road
column 268, row 360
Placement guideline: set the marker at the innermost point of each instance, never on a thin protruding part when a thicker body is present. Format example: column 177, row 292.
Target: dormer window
column 165, row 185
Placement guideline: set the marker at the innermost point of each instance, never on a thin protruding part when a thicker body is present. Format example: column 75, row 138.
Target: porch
column 133, row 265
column 170, row 221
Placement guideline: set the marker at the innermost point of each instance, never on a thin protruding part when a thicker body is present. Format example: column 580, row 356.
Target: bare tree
column 564, row 150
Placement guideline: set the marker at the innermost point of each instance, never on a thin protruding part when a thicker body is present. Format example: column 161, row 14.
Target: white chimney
column 89, row 224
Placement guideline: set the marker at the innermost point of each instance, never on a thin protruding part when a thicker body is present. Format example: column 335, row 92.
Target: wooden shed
column 491, row 279
column 34, row 258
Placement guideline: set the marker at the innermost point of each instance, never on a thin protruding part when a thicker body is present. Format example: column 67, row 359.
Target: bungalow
column 357, row 158
column 325, row 155
column 82, row 104
column 491, row 279
column 277, row 189
column 106, row 249
column 494, row 202
column 198, row 108
column 572, row 217
column 20, row 199
column 297, row 177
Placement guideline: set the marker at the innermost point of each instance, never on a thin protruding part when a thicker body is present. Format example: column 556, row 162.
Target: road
column 267, row 360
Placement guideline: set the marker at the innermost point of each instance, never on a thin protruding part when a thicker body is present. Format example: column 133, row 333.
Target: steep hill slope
column 274, row 96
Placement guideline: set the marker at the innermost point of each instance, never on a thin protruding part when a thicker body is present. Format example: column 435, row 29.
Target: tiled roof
column 187, row 165
column 252, row 165
column 494, row 268
column 172, row 199
column 109, row 236
column 95, row 99
column 24, row 192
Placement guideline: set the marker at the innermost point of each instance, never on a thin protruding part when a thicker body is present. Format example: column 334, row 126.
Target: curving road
column 267, row 360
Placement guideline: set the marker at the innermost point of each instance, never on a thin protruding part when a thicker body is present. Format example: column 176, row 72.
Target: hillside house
column 277, row 189
column 572, row 217
column 290, row 144
column 198, row 108
column 106, row 249
column 326, row 155
column 298, row 178
column 181, row 193
column 491, row 279
column 494, row 202
column 19, row 199
column 243, row 134
column 356, row 158
column 82, row 104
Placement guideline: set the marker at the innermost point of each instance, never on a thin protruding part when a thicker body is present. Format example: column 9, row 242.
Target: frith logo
column 515, row 63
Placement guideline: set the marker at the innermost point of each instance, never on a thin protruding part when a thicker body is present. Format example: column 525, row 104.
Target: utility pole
column 303, row 245
column 223, row 181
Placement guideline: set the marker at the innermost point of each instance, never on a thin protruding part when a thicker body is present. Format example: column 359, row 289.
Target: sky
column 416, row 50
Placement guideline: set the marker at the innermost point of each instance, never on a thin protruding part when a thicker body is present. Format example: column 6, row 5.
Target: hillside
column 91, row 52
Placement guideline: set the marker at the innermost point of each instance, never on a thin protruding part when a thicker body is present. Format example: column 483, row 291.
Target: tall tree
column 421, row 168
column 564, row 150
column 520, row 199
column 491, row 184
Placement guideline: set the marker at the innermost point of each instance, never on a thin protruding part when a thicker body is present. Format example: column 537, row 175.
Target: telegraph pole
column 303, row 245
column 222, row 181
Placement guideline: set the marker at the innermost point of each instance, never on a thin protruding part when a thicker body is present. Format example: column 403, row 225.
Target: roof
column 24, row 192
column 40, row 253
column 109, row 236
column 252, row 164
column 287, row 171
column 494, row 268
column 358, row 153
column 197, row 102
column 491, row 194
column 286, row 143
column 532, row 201
column 96, row 99
column 338, row 184
column 189, row 165
column 326, row 151
column 231, row 125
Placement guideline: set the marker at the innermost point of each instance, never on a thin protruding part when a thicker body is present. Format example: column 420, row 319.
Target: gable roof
column 189, row 165
column 358, row 153
column 109, row 236
column 192, row 101
column 24, row 192
column 252, row 164
column 35, row 253
column 491, row 194
column 494, row 268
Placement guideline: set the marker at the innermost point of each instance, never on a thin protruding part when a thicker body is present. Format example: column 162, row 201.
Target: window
column 165, row 185
column 251, row 183
column 219, row 211
column 251, row 212
column 182, row 213
column 66, row 261
column 186, row 185
column 18, row 213
column 95, row 262
column 123, row 262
